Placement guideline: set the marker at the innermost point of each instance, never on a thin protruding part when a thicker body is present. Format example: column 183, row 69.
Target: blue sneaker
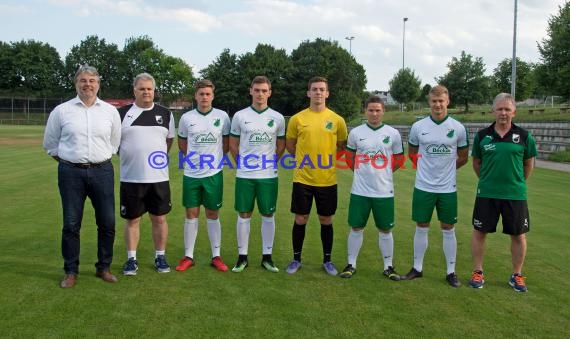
column 329, row 268
column 293, row 267
column 517, row 283
column 477, row 279
column 131, row 267
column 161, row 265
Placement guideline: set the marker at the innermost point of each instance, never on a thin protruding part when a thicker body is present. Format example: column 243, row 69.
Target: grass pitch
column 204, row 303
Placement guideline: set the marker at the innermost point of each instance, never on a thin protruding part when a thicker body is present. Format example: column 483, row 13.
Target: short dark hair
column 318, row 79
column 375, row 100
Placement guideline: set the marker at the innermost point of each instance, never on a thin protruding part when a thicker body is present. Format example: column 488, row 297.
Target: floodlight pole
column 350, row 38
column 404, row 43
column 514, row 60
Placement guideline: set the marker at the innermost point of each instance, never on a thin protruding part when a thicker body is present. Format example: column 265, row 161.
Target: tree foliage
column 555, row 51
column 346, row 78
column 174, row 78
column 405, row 86
column 277, row 66
column 224, row 73
column 30, row 68
column 466, row 80
column 104, row 56
column 502, row 79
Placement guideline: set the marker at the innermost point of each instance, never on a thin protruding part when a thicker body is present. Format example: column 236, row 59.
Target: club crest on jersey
column 329, row 125
column 386, row 139
column 158, row 119
column 450, row 133
column 516, row 138
column 271, row 123
column 217, row 122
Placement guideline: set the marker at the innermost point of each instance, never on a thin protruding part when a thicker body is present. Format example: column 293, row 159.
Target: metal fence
column 26, row 111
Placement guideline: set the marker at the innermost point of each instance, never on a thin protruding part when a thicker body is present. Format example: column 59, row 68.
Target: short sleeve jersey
column 437, row 144
column 374, row 178
column 258, row 132
column 143, row 134
column 317, row 134
column 502, row 172
column 203, row 133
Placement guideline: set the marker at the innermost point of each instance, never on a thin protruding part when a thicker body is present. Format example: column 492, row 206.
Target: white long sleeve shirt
column 81, row 134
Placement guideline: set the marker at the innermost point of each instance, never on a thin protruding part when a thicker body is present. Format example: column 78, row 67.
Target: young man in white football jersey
column 203, row 135
column 146, row 128
column 257, row 141
column 375, row 152
column 439, row 145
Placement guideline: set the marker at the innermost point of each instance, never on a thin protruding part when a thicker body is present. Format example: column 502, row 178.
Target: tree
column 405, row 86
column 346, row 78
column 502, row 79
column 174, row 78
column 30, row 68
column 277, row 66
column 101, row 55
column 425, row 93
column 466, row 80
column 224, row 73
column 554, row 52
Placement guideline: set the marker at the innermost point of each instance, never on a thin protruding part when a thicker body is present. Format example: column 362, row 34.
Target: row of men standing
column 83, row 133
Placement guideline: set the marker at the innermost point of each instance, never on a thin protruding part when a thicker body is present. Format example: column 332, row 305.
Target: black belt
column 86, row 164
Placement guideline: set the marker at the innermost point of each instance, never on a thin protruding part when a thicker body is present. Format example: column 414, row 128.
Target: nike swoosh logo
column 248, row 122
column 362, row 139
column 425, row 133
column 192, row 125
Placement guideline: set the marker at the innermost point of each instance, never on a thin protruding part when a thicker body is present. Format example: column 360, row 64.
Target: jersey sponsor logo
column 205, row 138
column 158, row 119
column 258, row 138
column 516, row 138
column 489, row 147
column 450, row 133
column 435, row 149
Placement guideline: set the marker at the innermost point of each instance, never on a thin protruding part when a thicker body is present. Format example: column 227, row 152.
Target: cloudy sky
column 198, row 30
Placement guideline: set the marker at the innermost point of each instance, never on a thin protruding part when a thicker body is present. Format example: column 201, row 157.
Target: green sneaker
column 240, row 265
column 269, row 265
column 348, row 272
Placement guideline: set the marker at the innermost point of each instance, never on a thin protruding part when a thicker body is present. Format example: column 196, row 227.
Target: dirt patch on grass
column 20, row 141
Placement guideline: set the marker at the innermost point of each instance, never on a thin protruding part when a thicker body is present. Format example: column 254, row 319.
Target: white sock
column 157, row 253
column 242, row 228
column 132, row 254
column 215, row 235
column 267, row 234
column 190, row 233
column 386, row 244
column 355, row 239
column 449, row 249
column 420, row 247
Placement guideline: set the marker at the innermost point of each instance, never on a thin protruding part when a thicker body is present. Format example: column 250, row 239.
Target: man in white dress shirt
column 82, row 134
